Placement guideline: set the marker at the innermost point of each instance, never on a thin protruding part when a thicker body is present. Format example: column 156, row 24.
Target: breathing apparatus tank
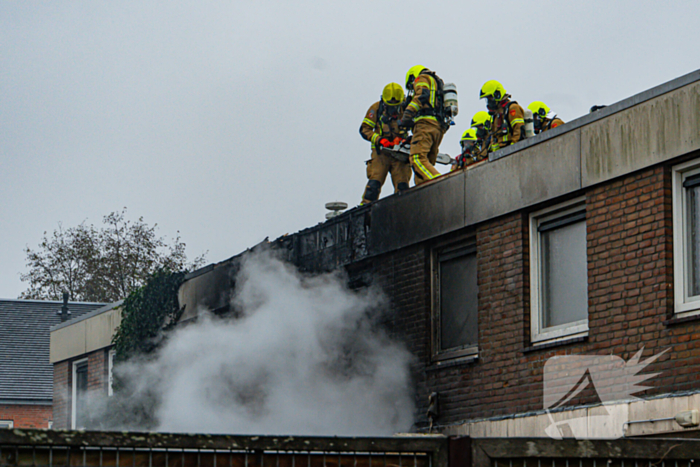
column 529, row 124
column 449, row 92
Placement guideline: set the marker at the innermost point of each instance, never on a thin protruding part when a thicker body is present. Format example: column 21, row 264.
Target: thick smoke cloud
column 304, row 357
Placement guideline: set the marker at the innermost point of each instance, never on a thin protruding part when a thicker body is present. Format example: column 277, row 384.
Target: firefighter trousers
column 425, row 143
column 377, row 169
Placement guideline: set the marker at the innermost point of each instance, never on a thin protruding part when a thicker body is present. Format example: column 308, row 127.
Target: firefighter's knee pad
column 401, row 186
column 372, row 190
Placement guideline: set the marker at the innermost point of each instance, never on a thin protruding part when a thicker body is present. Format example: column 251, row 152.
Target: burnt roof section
column 652, row 127
column 26, row 375
column 657, row 126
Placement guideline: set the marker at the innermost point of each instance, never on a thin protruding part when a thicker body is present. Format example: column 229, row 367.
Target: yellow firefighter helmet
column 412, row 74
column 482, row 117
column 392, row 94
column 492, row 89
column 539, row 108
column 469, row 135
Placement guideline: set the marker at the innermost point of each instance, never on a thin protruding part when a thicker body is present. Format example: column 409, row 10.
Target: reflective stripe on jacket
column 372, row 128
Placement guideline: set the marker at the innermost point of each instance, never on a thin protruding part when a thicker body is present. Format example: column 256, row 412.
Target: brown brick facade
column 630, row 298
column 27, row 416
column 61, row 394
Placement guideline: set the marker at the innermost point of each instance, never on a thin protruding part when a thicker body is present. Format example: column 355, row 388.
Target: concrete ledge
column 94, row 331
column 625, row 104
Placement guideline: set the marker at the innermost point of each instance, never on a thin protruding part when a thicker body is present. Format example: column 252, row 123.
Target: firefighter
column 470, row 149
column 381, row 128
column 424, row 116
column 508, row 116
column 482, row 122
column 539, row 115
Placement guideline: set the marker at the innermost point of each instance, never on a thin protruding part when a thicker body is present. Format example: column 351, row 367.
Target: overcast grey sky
column 233, row 121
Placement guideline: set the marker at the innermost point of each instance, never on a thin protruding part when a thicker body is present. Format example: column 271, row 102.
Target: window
column 455, row 292
column 686, row 237
column 79, row 400
column 559, row 272
column 110, row 375
column 7, row 424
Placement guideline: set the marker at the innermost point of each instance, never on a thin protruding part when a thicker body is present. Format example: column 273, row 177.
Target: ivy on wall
column 147, row 313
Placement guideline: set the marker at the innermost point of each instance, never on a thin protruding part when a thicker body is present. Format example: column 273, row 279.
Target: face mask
column 491, row 104
column 537, row 121
column 467, row 146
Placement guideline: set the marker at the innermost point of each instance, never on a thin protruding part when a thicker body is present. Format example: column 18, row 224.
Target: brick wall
column 404, row 277
column 62, row 387
column 630, row 291
column 27, row 416
column 61, row 394
column 97, row 371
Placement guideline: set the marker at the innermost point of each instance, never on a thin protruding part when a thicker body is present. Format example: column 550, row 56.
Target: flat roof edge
column 611, row 109
column 80, row 318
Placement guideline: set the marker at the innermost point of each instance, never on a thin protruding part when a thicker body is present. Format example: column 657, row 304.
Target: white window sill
column 689, row 308
column 565, row 332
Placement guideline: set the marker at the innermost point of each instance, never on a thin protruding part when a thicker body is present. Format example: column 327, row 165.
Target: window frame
column 683, row 305
column 74, row 390
column 7, row 424
column 468, row 245
column 539, row 334
column 111, row 355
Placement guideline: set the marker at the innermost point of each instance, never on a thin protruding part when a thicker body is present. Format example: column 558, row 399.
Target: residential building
column 82, row 358
column 26, row 376
column 579, row 242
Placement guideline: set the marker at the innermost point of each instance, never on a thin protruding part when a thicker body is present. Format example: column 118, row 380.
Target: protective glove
column 386, row 143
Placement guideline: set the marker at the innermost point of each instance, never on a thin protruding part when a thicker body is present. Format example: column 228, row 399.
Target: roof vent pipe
column 65, row 313
column 335, row 208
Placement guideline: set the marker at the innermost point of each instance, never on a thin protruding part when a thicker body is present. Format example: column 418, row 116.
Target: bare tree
column 101, row 265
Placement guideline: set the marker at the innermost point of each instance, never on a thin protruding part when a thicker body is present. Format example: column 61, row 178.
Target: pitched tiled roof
column 26, row 375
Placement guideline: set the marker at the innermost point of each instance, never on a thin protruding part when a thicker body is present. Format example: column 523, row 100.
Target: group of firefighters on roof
column 389, row 121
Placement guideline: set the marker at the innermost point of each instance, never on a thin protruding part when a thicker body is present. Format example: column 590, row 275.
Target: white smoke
column 305, row 357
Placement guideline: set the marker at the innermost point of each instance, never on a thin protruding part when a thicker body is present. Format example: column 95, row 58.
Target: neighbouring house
column 82, row 358
column 580, row 243
column 26, row 376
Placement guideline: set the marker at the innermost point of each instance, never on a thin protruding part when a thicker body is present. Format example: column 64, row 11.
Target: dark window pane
column 81, row 394
column 694, row 240
column 458, row 302
column 564, row 275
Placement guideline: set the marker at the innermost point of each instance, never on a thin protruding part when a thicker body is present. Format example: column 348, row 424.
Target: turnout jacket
column 374, row 128
column 425, row 97
column 548, row 124
column 507, row 127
